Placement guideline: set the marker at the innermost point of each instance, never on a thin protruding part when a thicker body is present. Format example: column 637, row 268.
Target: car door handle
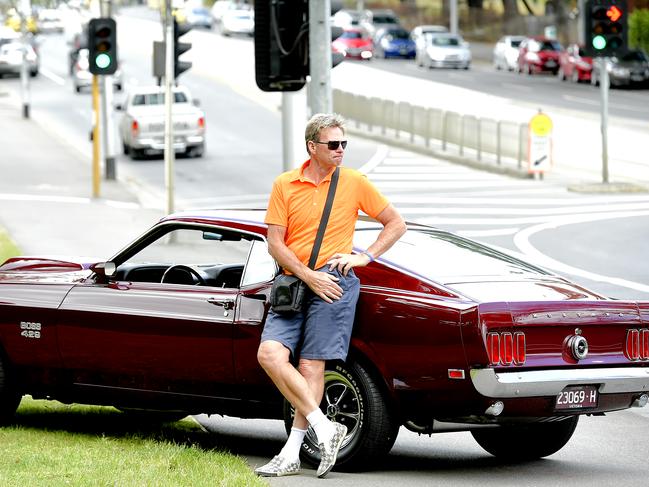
column 226, row 303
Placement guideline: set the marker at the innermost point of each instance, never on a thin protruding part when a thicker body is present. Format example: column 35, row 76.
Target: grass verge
column 55, row 444
column 7, row 246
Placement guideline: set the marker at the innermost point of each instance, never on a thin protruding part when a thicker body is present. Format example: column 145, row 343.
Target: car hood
column 51, row 269
column 353, row 43
column 547, row 289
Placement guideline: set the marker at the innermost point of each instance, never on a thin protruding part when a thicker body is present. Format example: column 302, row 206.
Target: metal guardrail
column 485, row 140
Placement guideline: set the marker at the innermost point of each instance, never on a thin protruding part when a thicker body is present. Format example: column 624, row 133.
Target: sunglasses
column 333, row 144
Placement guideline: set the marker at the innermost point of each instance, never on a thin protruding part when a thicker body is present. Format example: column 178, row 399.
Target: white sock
column 292, row 447
column 324, row 429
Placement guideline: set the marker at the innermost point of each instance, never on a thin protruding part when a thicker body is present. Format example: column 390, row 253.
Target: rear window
column 351, row 35
column 444, row 257
column 383, row 19
column 446, row 41
column 516, row 43
column 634, row 56
column 157, row 98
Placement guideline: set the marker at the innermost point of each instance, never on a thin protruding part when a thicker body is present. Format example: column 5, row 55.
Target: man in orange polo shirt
column 322, row 331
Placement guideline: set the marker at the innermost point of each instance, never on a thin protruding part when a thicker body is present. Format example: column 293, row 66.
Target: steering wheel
column 185, row 268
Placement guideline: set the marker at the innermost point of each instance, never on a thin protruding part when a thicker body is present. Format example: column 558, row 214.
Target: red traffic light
column 614, row 13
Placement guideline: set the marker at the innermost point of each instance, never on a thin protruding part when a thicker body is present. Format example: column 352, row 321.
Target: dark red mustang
column 450, row 335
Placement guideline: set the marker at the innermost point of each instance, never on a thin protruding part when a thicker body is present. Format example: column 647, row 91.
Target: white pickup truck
column 142, row 126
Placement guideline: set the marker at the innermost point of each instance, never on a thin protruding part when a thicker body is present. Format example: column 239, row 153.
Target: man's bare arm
column 393, row 228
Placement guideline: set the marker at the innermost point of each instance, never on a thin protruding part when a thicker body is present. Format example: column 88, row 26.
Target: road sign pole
column 603, row 84
column 95, row 136
column 320, row 57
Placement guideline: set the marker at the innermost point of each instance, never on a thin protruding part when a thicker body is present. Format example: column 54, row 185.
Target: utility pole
column 453, row 20
column 168, row 83
column 25, row 94
column 603, row 85
column 320, row 96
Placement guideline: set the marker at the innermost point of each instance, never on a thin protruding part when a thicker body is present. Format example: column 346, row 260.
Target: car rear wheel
column 354, row 398
column 522, row 442
column 9, row 397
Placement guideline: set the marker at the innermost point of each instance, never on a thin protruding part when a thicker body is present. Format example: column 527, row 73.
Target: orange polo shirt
column 297, row 204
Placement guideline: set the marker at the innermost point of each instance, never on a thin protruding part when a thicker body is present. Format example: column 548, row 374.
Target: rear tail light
column 637, row 344
column 505, row 348
column 135, row 128
column 201, row 123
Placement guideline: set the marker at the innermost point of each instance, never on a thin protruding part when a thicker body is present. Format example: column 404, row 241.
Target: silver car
column 505, row 54
column 446, row 51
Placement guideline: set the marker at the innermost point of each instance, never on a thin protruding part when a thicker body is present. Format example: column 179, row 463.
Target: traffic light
column 102, row 45
column 281, row 44
column 180, row 48
column 606, row 27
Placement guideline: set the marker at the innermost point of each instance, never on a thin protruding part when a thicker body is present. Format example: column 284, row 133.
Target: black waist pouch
column 287, row 295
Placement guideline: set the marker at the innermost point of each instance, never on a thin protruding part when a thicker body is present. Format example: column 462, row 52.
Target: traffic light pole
column 168, row 83
column 107, row 113
column 320, row 96
column 604, row 85
column 24, row 74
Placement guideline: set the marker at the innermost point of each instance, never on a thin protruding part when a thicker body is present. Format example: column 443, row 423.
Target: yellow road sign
column 541, row 125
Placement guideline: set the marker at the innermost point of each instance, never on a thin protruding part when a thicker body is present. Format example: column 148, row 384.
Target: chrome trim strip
column 550, row 382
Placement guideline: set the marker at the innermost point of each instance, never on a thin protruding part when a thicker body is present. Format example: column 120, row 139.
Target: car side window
column 190, row 255
column 261, row 266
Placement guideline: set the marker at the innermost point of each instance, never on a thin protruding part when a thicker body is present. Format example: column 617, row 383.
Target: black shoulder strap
column 325, row 218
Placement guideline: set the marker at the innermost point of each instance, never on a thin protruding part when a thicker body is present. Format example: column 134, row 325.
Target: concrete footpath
column 46, row 202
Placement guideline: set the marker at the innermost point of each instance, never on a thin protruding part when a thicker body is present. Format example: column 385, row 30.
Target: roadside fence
column 501, row 145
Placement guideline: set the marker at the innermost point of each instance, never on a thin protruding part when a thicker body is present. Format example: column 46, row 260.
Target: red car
column 574, row 64
column 449, row 335
column 354, row 43
column 538, row 55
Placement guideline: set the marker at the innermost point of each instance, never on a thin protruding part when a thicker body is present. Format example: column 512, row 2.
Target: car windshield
column 351, row 35
column 444, row 257
column 156, row 98
column 445, row 41
column 201, row 11
column 384, row 19
column 634, row 56
column 516, row 42
column 397, row 34
column 537, row 46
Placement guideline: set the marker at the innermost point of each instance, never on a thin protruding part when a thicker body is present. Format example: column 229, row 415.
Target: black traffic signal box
column 180, row 48
column 606, row 26
column 281, row 44
column 102, row 45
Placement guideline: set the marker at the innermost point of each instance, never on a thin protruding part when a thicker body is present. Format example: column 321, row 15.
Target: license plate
column 577, row 397
column 550, row 64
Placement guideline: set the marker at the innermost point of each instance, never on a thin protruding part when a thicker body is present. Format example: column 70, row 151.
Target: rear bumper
column 612, row 380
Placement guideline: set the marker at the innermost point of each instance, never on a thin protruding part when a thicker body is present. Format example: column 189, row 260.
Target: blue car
column 394, row 42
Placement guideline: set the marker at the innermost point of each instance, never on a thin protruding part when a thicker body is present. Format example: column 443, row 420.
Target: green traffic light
column 102, row 61
column 599, row 42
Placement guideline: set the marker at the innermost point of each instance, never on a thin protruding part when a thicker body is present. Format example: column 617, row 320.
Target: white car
column 418, row 35
column 239, row 21
column 446, row 51
column 143, row 123
column 11, row 59
column 505, row 54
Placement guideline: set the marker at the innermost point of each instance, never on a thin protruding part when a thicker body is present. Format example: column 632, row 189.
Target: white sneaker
column 278, row 467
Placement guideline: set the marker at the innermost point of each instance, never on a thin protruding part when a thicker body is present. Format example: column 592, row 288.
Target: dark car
column 574, row 64
column 538, row 55
column 631, row 68
column 394, row 42
column 449, row 335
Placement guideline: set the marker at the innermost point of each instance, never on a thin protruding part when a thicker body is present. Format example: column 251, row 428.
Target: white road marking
column 470, row 200
column 67, row 200
column 522, row 242
column 496, row 232
column 378, row 157
column 548, row 213
column 577, row 99
column 52, row 77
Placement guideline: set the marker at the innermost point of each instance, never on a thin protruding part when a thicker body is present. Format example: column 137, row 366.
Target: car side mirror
column 104, row 269
column 119, row 107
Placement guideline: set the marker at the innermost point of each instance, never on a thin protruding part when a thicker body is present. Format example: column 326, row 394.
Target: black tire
column 9, row 396
column 540, row 439
column 125, row 149
column 354, row 398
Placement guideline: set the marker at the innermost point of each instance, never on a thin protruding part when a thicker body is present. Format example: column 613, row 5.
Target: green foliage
column 55, row 444
column 639, row 29
column 7, row 247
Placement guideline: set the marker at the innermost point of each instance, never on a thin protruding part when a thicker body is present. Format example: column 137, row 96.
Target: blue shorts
column 323, row 330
